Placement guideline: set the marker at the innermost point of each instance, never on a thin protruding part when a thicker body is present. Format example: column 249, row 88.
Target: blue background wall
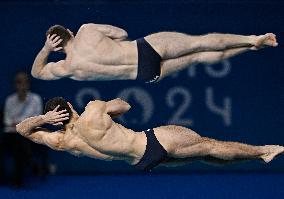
column 240, row 99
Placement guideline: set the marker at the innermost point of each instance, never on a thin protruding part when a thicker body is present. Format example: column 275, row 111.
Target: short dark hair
column 60, row 31
column 54, row 102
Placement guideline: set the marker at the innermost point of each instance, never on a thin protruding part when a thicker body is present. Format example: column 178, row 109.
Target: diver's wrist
column 46, row 49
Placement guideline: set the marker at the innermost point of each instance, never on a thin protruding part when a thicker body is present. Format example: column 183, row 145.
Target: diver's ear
column 72, row 109
column 70, row 32
column 69, row 104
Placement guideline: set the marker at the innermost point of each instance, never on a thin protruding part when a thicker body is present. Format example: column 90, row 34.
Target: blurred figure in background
column 1, row 147
column 19, row 106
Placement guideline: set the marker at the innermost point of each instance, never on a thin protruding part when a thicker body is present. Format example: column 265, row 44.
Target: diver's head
column 63, row 105
column 65, row 34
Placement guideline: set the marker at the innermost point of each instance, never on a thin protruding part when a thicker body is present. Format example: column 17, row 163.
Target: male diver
column 96, row 135
column 102, row 53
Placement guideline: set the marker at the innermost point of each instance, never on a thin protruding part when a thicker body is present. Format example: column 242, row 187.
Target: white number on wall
column 180, row 109
column 225, row 112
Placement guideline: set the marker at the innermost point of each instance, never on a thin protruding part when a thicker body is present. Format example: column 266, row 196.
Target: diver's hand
column 51, row 43
column 55, row 117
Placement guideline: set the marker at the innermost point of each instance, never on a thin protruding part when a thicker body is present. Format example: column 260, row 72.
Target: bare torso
column 97, row 57
column 98, row 136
